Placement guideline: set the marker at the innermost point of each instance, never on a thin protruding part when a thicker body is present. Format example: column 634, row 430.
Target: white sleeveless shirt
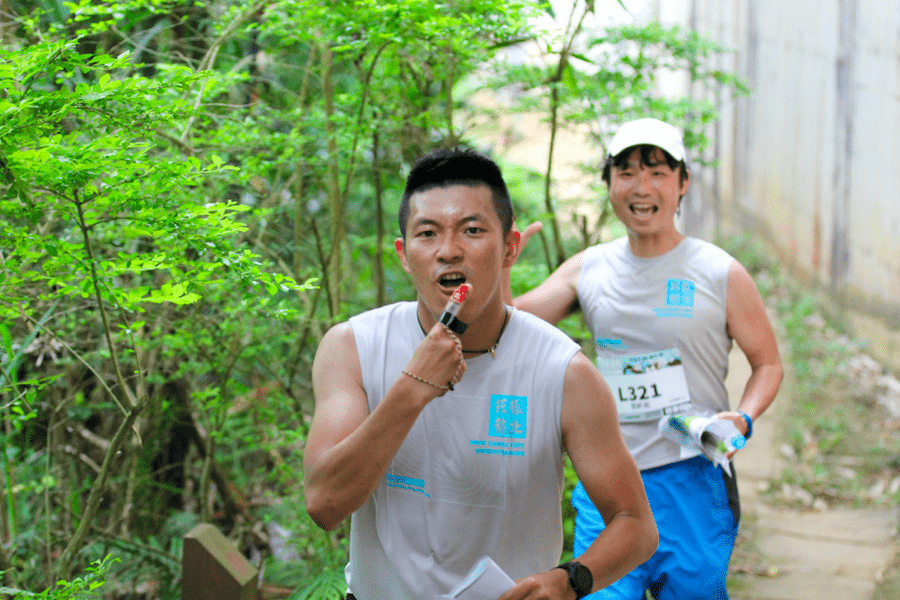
column 480, row 473
column 660, row 328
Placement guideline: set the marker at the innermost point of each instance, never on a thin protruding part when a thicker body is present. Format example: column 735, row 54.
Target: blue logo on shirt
column 679, row 299
column 509, row 416
column 406, row 483
column 611, row 343
column 680, row 292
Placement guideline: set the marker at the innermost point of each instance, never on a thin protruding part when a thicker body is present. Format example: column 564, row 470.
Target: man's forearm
column 339, row 481
column 626, row 542
column 761, row 389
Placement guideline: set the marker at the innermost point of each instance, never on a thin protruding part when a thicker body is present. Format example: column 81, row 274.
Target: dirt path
column 823, row 555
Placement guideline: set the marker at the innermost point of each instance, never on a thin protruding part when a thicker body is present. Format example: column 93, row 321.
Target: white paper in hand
column 486, row 581
column 715, row 438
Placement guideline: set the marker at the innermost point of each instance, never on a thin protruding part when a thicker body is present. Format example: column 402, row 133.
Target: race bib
column 647, row 387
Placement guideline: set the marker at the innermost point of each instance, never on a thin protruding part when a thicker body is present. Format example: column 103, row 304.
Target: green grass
column 843, row 439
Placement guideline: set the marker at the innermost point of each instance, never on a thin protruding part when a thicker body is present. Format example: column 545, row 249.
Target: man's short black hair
column 620, row 161
column 459, row 166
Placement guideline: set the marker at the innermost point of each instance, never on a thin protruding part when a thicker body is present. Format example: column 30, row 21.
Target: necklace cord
column 493, row 348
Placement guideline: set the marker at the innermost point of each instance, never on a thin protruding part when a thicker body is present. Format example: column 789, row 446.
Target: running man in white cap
column 663, row 309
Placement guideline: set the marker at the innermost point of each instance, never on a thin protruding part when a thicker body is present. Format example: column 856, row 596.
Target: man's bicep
column 341, row 403
column 594, row 441
column 748, row 322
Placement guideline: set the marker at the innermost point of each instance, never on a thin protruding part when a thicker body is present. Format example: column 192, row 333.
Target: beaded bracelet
column 434, row 385
column 449, row 386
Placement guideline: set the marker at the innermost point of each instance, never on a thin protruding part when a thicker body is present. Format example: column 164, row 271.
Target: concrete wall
column 810, row 161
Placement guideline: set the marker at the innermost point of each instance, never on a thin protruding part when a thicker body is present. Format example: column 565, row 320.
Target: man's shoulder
column 601, row 255
column 694, row 244
column 709, row 256
column 381, row 313
column 383, row 325
column 616, row 247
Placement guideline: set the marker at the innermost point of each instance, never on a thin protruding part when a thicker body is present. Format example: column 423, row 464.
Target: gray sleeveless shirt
column 480, row 473
column 656, row 321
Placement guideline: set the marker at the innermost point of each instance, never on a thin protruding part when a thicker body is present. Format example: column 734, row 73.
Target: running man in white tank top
column 664, row 309
column 445, row 442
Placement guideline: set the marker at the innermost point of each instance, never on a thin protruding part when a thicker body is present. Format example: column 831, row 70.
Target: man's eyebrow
column 425, row 221
column 650, row 164
column 476, row 217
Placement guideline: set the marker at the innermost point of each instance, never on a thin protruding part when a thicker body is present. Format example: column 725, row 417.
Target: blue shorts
column 696, row 508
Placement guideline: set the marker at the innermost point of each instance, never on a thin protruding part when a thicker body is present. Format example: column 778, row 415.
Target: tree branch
column 64, row 566
column 95, row 278
column 210, row 58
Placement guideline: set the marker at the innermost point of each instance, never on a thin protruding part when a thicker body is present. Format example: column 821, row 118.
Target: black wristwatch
column 580, row 577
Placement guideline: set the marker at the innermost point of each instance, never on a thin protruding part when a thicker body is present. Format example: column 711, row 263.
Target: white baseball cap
column 648, row 131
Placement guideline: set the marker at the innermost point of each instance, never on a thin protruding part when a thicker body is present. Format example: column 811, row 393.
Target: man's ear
column 686, row 183
column 401, row 253
column 513, row 239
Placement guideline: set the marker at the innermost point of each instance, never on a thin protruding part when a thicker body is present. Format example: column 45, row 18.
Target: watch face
column 583, row 579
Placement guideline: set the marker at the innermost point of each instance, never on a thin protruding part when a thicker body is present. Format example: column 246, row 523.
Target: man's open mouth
column 452, row 280
column 643, row 209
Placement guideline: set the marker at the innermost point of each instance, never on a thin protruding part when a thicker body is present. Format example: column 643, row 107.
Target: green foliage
column 629, row 60
column 592, row 81
column 82, row 588
column 137, row 561
column 192, row 193
column 842, row 440
column 105, row 217
column 568, row 511
column 65, row 108
column 327, row 586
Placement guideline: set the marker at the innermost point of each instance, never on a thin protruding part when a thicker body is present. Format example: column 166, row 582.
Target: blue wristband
column 749, row 424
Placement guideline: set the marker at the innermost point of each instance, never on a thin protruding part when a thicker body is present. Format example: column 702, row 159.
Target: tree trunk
column 335, row 198
column 379, row 218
